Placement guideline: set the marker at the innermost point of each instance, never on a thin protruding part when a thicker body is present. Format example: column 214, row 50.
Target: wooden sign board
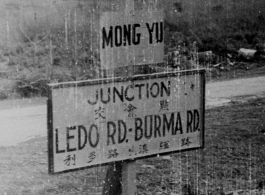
column 106, row 120
column 132, row 38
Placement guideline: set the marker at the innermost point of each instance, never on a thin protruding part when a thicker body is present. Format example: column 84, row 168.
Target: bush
column 48, row 54
column 69, row 51
column 3, row 95
column 32, row 84
column 218, row 28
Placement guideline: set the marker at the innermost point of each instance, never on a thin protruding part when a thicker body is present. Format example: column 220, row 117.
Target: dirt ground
column 233, row 159
column 231, row 162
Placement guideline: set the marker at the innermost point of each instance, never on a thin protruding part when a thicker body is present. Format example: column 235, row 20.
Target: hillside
column 208, row 21
column 57, row 40
column 220, row 25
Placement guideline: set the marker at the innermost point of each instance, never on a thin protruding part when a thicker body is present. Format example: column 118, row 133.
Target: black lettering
column 102, row 94
column 93, row 103
column 107, row 39
column 93, row 127
column 157, row 126
column 140, row 89
column 127, row 35
column 165, row 88
column 68, row 137
column 159, row 32
column 154, row 95
column 120, row 129
column 150, row 126
column 168, row 124
column 126, row 93
column 81, row 129
column 138, row 129
column 57, row 143
column 119, row 94
column 111, row 134
column 150, row 30
column 189, row 121
column 118, row 36
column 136, row 36
column 178, row 125
column 196, row 120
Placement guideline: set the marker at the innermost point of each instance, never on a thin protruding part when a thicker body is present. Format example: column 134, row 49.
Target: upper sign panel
column 132, row 38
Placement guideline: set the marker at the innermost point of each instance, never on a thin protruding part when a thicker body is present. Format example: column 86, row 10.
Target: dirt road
column 219, row 93
column 22, row 120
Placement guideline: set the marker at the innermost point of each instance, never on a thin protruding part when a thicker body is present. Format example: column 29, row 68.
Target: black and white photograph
column 132, row 97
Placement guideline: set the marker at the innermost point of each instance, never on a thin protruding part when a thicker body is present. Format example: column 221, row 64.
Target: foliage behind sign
column 132, row 38
column 106, row 120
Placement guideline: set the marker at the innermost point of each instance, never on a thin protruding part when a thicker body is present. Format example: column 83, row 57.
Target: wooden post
column 113, row 180
column 120, row 179
column 121, row 176
column 129, row 178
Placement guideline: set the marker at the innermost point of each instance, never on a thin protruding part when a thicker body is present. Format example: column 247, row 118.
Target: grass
column 233, row 159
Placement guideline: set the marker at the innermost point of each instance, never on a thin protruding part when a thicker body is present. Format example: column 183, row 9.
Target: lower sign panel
column 101, row 121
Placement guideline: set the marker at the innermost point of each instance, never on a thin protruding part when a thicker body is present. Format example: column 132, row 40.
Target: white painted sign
column 132, row 38
column 101, row 121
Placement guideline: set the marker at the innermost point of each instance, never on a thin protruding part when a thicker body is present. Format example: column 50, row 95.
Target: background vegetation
column 221, row 26
column 67, row 49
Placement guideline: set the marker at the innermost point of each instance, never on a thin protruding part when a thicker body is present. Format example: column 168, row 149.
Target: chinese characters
column 91, row 157
column 185, row 141
column 131, row 109
column 164, row 105
column 113, row 153
column 70, row 160
column 143, row 149
column 164, row 145
column 100, row 113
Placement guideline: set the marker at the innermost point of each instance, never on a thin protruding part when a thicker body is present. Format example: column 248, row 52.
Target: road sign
column 106, row 120
column 131, row 38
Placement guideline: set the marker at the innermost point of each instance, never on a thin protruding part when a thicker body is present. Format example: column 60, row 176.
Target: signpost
column 106, row 120
column 127, row 117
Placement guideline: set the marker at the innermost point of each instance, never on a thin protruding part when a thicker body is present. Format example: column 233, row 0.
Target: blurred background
column 57, row 40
